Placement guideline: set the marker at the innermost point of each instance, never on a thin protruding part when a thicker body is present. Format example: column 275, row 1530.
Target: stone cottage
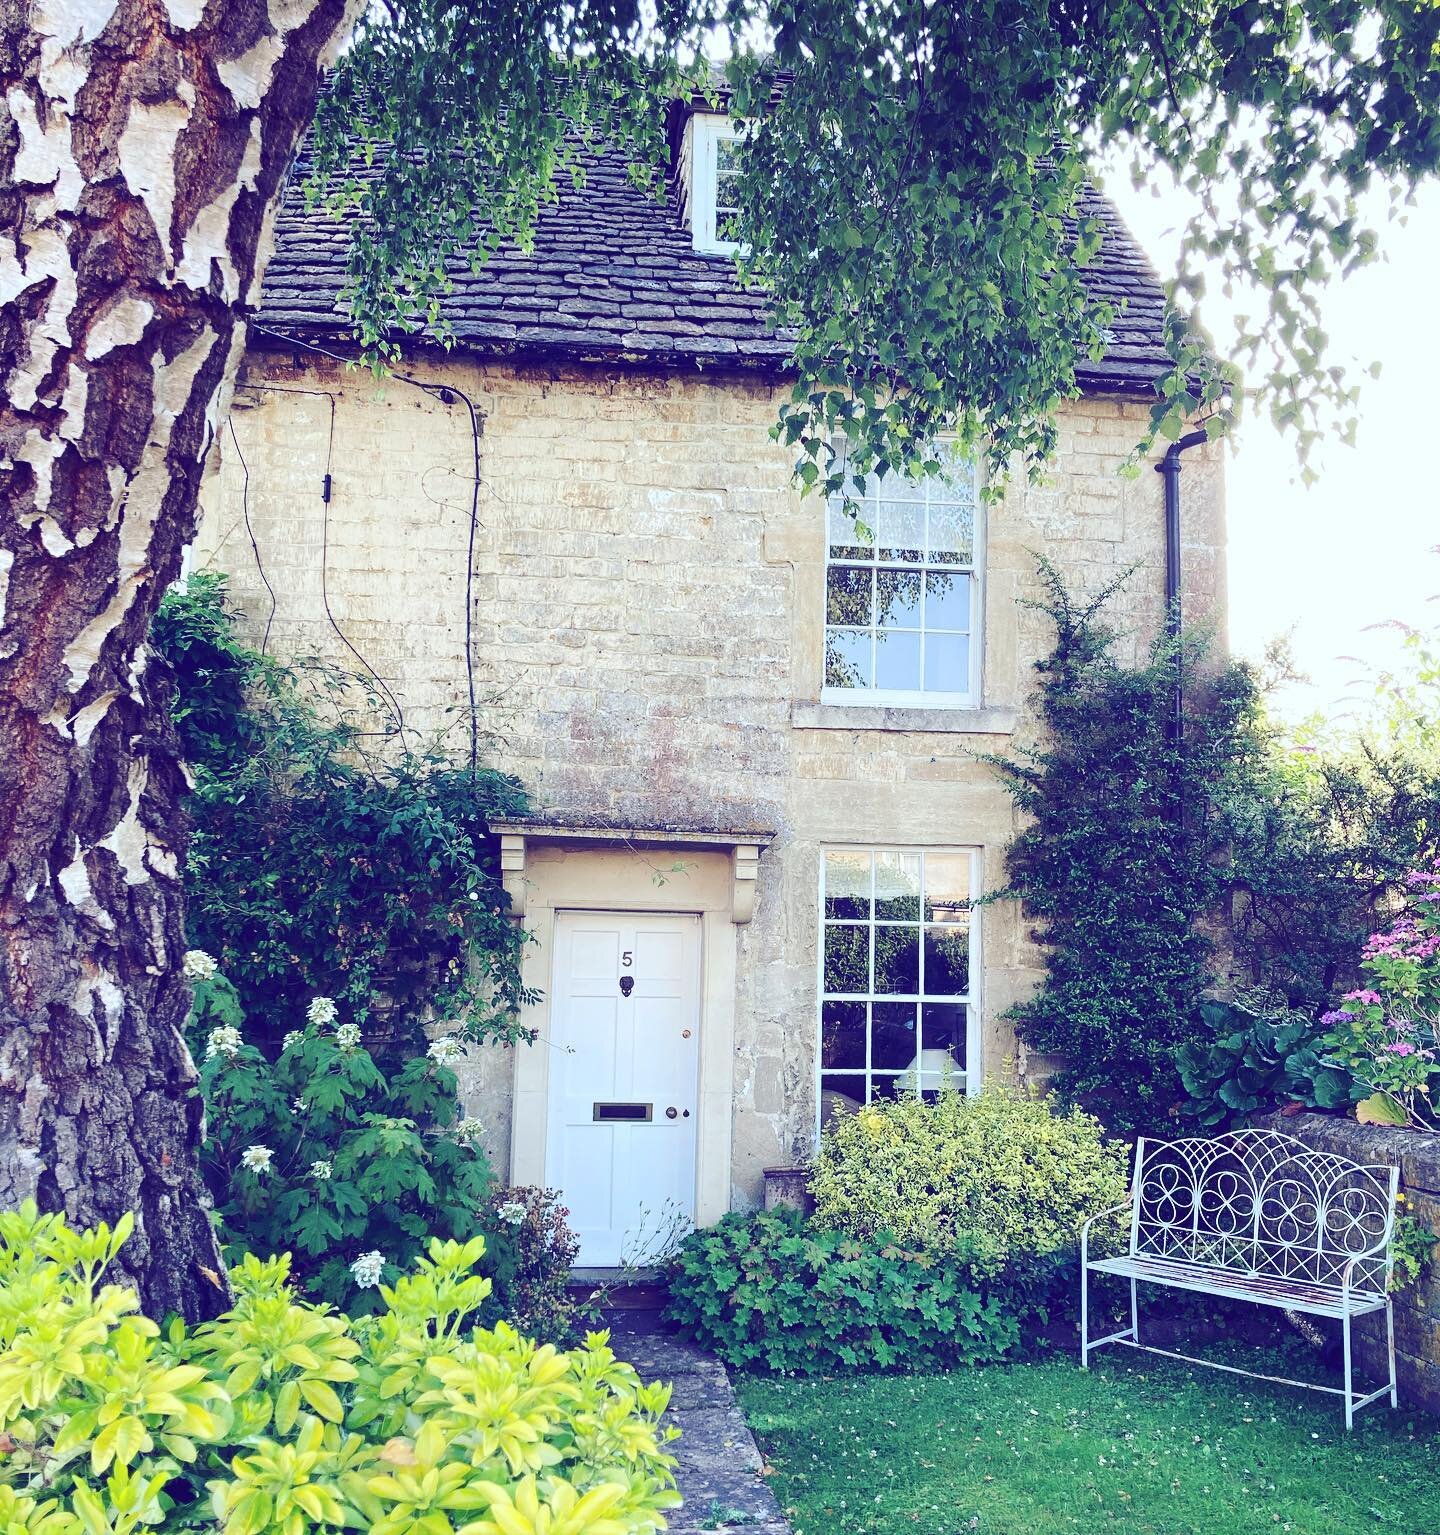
column 749, row 727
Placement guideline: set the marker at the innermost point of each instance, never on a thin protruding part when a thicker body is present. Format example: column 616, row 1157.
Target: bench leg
column 1349, row 1386
column 1134, row 1313
column 1390, row 1344
column 1084, row 1314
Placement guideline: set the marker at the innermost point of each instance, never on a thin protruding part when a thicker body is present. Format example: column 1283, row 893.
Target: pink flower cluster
column 1406, row 939
column 1406, row 1040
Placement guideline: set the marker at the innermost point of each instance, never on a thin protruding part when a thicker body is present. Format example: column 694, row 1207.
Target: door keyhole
column 627, row 985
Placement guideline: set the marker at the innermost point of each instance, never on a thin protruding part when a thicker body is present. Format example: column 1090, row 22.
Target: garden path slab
column 719, row 1470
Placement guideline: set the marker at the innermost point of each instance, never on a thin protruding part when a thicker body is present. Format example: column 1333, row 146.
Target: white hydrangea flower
column 197, row 965
column 322, row 1010
column 512, row 1212
column 446, row 1050
column 223, row 1041
column 470, row 1129
column 292, row 1038
column 368, row 1268
column 321, row 1170
column 347, row 1036
column 257, row 1158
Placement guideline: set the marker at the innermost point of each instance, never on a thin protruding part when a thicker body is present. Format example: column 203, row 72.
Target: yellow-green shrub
column 999, row 1175
column 284, row 1417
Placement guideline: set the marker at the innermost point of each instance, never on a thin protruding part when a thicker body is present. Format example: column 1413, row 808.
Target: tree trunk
column 143, row 148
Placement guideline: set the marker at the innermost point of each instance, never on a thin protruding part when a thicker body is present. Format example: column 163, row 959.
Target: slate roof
column 613, row 278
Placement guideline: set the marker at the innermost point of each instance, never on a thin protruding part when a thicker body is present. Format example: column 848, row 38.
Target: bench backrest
column 1266, row 1204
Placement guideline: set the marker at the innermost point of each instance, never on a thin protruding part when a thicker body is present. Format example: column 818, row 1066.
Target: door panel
column 624, row 1030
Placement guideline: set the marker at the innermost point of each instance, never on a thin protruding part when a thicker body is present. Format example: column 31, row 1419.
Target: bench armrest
column 1100, row 1215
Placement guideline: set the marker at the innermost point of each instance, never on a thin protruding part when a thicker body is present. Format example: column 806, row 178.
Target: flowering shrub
column 999, row 1175
column 1384, row 1034
column 778, row 1292
column 322, row 1153
column 529, row 1252
column 283, row 1417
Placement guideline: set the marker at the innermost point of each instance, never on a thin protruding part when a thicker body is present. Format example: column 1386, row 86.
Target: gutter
column 1169, row 469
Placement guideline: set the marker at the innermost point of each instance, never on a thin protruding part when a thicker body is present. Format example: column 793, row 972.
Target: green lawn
column 1134, row 1448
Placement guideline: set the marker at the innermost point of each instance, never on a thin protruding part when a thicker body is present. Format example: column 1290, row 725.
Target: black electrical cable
column 255, row 547
column 441, row 392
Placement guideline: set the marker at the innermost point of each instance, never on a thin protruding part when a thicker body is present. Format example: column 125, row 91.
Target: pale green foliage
column 999, row 1175
column 282, row 1417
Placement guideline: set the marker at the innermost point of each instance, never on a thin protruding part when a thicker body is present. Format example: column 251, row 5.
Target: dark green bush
column 1123, row 855
column 772, row 1291
column 331, row 855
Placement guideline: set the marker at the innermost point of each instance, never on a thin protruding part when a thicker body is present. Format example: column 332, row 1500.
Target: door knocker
column 627, row 985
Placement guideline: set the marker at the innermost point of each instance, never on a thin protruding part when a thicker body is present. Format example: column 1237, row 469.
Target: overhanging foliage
column 910, row 189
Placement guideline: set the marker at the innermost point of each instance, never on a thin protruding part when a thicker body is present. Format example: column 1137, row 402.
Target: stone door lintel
column 744, row 848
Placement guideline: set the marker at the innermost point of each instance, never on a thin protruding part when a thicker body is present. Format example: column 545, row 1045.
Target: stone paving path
column 719, row 1464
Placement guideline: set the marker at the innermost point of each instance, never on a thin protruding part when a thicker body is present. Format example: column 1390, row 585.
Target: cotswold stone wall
column 647, row 612
column 1417, row 1307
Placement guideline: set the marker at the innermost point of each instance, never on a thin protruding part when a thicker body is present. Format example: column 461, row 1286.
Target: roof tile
column 612, row 276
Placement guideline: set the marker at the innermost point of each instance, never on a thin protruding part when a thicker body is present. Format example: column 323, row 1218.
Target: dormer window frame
column 708, row 130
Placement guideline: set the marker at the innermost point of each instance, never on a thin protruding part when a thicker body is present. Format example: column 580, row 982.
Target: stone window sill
column 975, row 722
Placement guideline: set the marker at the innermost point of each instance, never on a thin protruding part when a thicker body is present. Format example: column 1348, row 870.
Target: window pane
column 847, row 959
column 901, row 529
column 897, row 661
column 892, row 1035
column 847, row 885
column 947, row 961
column 885, row 1087
column 947, row 887
column 851, row 537
column 840, row 1095
column 897, row 600
column 942, row 1035
column 847, row 658
column 947, row 663
column 947, row 600
column 952, row 535
column 897, row 886
column 847, row 595
column 842, row 1035
column 895, row 487
column 897, row 960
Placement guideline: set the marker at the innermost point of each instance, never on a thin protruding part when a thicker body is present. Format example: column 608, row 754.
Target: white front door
column 624, row 1074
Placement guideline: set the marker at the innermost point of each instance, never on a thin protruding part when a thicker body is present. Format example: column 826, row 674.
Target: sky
column 1338, row 560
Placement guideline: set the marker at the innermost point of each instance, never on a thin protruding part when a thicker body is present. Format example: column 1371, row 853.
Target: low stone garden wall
column 1417, row 1307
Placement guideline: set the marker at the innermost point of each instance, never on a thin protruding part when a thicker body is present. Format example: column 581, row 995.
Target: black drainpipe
column 1169, row 469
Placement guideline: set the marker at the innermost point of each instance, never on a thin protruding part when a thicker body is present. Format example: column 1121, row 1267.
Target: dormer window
column 712, row 160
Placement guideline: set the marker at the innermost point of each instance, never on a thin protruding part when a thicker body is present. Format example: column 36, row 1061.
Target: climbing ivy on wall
column 328, row 858
column 1123, row 853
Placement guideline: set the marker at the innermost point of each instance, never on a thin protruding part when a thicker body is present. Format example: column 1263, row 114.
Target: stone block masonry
column 648, row 612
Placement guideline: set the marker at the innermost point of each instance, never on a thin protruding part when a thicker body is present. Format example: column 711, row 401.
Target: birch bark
column 143, row 150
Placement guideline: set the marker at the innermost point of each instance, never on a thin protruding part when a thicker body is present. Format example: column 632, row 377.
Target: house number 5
column 627, row 959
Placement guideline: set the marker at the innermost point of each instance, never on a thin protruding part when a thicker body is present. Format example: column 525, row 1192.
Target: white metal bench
column 1256, row 1216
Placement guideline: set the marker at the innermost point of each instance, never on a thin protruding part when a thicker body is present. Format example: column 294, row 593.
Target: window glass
column 901, row 588
column 895, row 996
